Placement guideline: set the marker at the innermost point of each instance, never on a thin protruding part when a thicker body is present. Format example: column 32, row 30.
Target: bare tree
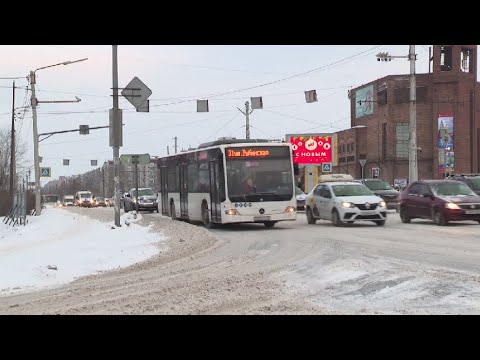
column 5, row 158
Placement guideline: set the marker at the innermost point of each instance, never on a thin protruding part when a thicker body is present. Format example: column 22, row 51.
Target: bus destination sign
column 247, row 153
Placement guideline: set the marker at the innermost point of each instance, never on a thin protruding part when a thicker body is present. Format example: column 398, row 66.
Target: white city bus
column 229, row 181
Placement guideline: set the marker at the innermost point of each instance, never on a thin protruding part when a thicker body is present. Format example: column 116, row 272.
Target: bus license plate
column 261, row 218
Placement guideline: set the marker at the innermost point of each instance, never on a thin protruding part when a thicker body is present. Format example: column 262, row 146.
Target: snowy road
column 293, row 268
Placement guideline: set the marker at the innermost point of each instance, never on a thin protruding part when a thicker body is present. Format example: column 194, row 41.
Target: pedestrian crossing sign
column 45, row 172
column 327, row 167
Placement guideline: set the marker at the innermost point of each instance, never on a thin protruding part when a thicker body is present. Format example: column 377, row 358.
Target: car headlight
column 382, row 204
column 348, row 205
column 290, row 209
column 451, row 205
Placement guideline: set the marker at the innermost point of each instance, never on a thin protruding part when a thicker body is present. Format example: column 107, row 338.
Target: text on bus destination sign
column 247, row 153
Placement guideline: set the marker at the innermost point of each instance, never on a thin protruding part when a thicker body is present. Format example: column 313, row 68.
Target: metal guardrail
column 18, row 213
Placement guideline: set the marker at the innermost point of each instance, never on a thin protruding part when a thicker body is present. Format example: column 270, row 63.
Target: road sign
column 362, row 162
column 136, row 92
column 327, row 167
column 45, row 172
column 143, row 159
column 84, row 130
column 375, row 173
column 145, row 107
column 94, row 162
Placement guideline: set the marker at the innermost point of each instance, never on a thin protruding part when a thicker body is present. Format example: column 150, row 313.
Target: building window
column 446, row 58
column 382, row 97
column 465, row 61
column 402, row 140
column 384, row 141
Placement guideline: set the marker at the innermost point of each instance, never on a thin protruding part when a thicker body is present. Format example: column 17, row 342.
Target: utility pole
column 137, row 198
column 412, row 139
column 116, row 145
column 247, row 119
column 168, row 150
column 38, row 207
column 175, row 138
column 12, row 148
column 103, row 181
column 412, row 163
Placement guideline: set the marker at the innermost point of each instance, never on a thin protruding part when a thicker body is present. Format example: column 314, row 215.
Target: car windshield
column 298, row 191
column 144, row 192
column 449, row 189
column 351, row 190
column 475, row 183
column 100, row 199
column 378, row 185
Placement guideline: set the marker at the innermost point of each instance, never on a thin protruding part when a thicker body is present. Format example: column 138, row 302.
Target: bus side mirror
column 296, row 170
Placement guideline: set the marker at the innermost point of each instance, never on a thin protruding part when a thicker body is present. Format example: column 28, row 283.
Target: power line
column 13, row 77
column 139, row 130
column 275, row 81
column 224, row 126
column 309, row 121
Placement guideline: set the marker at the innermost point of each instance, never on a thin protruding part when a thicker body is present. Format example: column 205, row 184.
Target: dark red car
column 439, row 200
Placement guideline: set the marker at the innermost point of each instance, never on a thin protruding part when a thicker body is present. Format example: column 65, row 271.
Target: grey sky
column 178, row 73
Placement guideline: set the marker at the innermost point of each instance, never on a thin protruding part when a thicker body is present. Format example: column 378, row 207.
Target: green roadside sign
column 129, row 159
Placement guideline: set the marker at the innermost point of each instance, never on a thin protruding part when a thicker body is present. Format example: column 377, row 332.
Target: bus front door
column 214, row 192
column 183, row 192
column 164, row 190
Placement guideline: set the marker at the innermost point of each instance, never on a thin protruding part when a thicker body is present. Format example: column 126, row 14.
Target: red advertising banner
column 308, row 150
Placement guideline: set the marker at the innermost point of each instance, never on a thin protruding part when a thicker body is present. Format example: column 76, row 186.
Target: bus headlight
column 290, row 209
column 231, row 212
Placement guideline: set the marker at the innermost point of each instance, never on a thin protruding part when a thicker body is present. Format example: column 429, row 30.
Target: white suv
column 338, row 198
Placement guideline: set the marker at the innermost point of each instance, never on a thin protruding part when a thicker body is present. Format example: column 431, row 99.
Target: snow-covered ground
column 76, row 245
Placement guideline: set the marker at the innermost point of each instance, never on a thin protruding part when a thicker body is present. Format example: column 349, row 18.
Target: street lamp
column 34, row 103
column 412, row 143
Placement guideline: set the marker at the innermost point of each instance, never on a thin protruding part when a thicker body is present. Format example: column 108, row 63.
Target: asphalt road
column 417, row 268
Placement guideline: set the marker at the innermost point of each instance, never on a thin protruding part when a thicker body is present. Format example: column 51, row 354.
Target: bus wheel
column 173, row 214
column 206, row 217
column 269, row 224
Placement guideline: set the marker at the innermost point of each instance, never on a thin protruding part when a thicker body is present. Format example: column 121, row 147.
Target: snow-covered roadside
column 75, row 245
column 377, row 285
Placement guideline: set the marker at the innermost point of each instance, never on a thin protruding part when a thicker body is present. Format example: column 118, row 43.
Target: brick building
column 448, row 121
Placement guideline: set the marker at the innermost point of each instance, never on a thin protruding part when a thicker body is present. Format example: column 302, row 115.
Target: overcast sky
column 179, row 73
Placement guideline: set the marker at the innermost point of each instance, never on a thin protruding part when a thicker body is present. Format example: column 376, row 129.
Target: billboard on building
column 364, row 101
column 311, row 149
column 446, row 136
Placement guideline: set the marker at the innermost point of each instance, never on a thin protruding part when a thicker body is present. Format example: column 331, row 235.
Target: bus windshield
column 259, row 179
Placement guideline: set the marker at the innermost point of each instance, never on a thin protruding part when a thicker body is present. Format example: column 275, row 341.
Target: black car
column 383, row 189
column 472, row 180
column 147, row 200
